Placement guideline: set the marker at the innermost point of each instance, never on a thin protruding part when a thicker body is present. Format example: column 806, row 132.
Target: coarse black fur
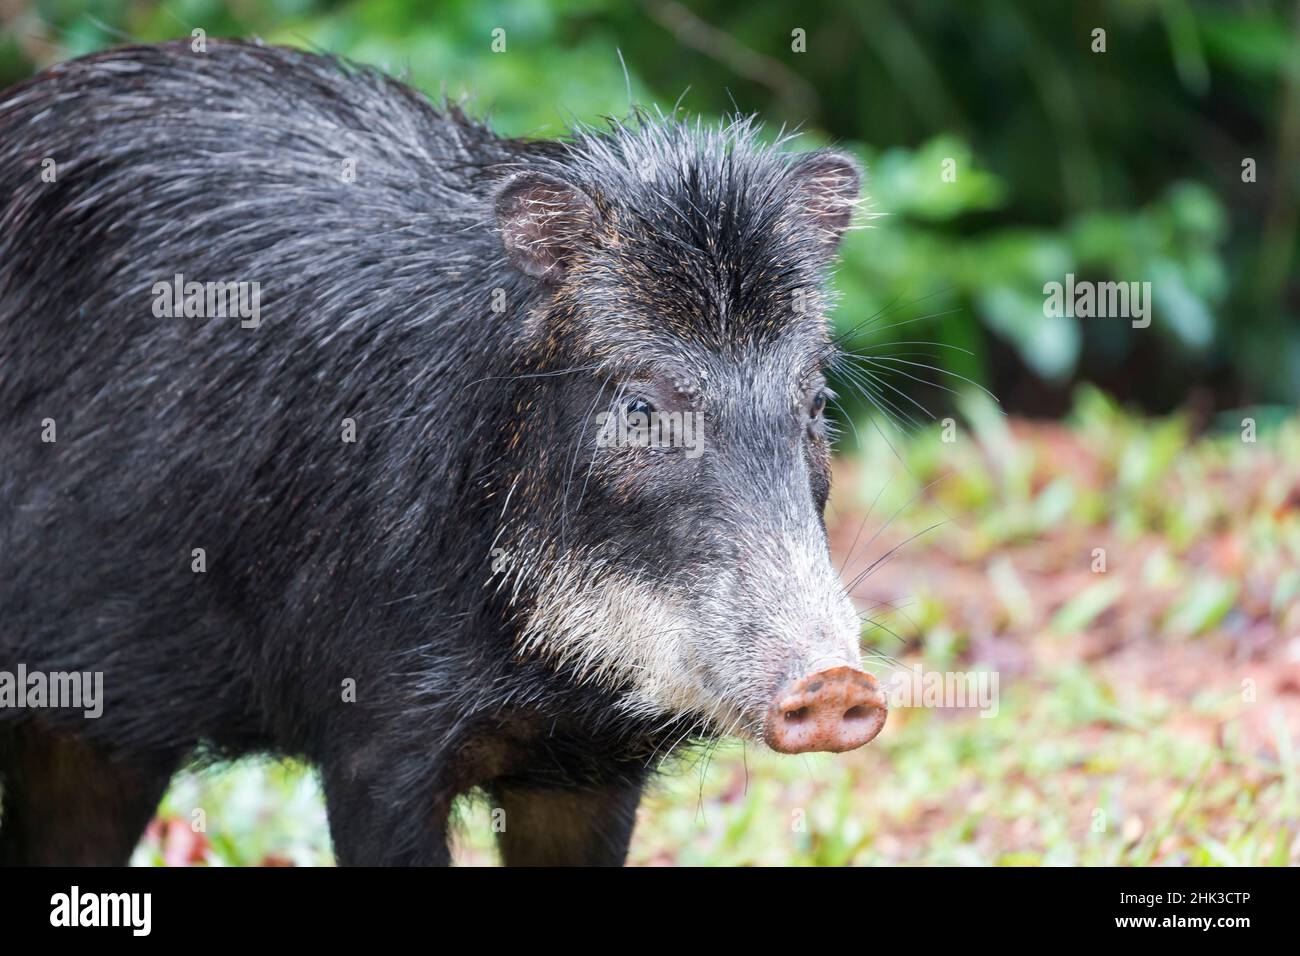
column 329, row 561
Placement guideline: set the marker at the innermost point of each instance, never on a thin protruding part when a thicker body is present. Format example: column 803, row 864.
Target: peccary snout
column 836, row 709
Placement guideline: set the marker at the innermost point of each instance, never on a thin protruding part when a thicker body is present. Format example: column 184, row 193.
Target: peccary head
column 669, row 450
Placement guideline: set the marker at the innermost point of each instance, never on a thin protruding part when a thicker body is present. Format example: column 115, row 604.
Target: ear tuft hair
column 542, row 221
column 826, row 192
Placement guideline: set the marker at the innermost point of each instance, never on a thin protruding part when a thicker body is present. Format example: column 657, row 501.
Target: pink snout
column 833, row 710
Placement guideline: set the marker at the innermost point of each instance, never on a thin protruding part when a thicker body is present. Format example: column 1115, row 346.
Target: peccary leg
column 66, row 804
column 567, row 827
column 370, row 826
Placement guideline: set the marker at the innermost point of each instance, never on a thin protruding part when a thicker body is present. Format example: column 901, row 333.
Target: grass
column 1137, row 594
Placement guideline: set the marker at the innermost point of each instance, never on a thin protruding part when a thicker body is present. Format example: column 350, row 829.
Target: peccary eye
column 639, row 406
column 818, row 403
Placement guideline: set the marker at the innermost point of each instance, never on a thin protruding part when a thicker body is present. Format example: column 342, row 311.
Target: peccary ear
column 542, row 219
column 826, row 193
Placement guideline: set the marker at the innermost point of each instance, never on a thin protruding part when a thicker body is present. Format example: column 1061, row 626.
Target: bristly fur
column 371, row 562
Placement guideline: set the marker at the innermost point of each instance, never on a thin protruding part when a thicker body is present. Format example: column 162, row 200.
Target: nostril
column 860, row 712
column 796, row 716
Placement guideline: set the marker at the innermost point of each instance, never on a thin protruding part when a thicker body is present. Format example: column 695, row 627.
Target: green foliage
column 1123, row 165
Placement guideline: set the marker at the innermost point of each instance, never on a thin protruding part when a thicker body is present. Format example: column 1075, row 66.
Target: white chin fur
column 608, row 627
